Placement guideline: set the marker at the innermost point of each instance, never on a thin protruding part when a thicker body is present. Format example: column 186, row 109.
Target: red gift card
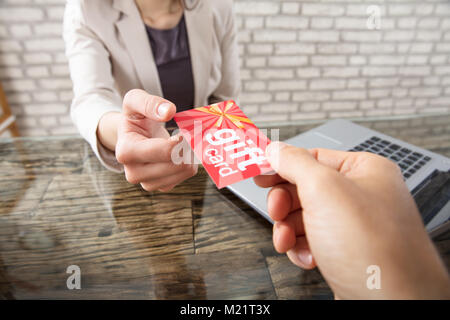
column 229, row 145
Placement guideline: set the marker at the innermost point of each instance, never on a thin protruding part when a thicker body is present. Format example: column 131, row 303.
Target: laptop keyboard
column 409, row 161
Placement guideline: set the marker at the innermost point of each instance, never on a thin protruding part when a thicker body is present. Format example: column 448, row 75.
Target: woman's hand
column 344, row 212
column 144, row 146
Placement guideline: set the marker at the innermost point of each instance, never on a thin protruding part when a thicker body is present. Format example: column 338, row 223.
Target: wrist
column 107, row 129
column 421, row 275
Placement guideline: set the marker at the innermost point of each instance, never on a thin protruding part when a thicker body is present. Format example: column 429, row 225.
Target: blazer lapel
column 133, row 33
column 199, row 26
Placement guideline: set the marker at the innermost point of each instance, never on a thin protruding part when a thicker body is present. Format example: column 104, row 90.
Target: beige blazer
column 109, row 53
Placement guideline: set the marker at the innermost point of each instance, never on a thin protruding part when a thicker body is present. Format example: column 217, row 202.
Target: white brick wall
column 301, row 60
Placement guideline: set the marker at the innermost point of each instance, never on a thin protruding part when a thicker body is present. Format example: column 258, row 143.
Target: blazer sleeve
column 93, row 83
column 229, row 86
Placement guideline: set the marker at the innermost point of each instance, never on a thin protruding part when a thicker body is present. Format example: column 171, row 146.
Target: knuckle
column 186, row 169
column 302, row 151
column 293, row 151
column 131, row 176
column 122, row 153
column 189, row 170
column 381, row 163
column 385, row 162
column 148, row 187
column 129, row 96
column 314, row 151
column 193, row 170
column 392, row 166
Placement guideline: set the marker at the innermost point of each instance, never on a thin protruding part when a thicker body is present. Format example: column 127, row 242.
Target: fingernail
column 305, row 256
column 163, row 109
column 270, row 173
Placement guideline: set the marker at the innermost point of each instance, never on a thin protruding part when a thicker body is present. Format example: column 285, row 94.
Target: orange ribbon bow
column 215, row 110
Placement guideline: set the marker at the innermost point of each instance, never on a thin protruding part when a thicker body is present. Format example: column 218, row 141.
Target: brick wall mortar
column 300, row 60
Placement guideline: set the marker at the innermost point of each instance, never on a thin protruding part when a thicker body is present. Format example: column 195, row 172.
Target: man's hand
column 144, row 146
column 344, row 212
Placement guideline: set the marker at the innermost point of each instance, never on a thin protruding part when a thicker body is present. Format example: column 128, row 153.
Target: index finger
column 149, row 150
column 138, row 104
column 350, row 163
column 296, row 161
column 265, row 181
column 287, row 161
column 298, row 165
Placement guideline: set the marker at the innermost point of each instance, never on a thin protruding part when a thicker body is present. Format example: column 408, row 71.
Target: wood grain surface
column 60, row 207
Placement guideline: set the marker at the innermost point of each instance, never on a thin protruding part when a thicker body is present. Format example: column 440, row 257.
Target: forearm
column 107, row 130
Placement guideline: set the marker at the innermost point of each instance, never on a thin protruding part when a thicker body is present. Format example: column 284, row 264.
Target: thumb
column 138, row 104
column 293, row 164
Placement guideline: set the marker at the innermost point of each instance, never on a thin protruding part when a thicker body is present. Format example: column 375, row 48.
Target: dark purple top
column 171, row 53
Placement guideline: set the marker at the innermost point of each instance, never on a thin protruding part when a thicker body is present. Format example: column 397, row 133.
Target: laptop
column 426, row 174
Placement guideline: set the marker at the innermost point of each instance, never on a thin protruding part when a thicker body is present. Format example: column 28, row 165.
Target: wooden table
column 59, row 207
